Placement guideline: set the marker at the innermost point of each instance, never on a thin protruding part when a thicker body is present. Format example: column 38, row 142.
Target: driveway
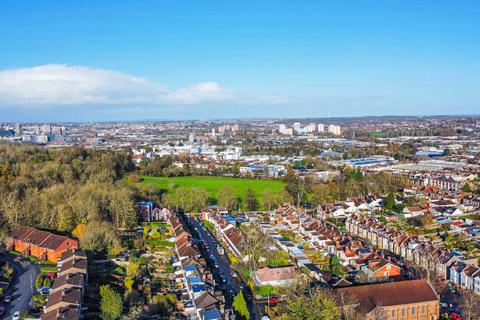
column 22, row 287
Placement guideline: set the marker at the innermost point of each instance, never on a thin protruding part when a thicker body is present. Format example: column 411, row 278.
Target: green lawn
column 213, row 184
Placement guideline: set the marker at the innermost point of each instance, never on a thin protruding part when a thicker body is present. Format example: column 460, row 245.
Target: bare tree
column 470, row 305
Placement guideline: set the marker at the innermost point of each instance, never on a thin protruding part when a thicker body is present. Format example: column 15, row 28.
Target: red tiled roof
column 391, row 294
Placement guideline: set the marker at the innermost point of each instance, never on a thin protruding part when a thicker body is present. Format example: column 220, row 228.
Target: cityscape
column 288, row 171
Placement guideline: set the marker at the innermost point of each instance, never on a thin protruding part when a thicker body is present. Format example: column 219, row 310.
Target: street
column 22, row 287
column 221, row 268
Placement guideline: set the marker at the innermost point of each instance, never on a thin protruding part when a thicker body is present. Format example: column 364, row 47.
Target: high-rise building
column 47, row 129
column 282, row 128
column 321, row 127
column 296, row 126
column 18, row 129
column 288, row 131
column 336, row 130
column 311, row 127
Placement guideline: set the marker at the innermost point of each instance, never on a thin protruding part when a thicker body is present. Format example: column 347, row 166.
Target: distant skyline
column 97, row 61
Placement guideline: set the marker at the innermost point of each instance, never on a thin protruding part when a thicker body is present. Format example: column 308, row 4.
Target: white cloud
column 58, row 84
column 203, row 91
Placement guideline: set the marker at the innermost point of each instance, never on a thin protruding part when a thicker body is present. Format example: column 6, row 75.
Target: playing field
column 212, row 184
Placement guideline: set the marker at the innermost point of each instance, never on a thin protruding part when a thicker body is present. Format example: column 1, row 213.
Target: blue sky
column 129, row 60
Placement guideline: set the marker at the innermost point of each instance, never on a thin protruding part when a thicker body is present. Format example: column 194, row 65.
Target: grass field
column 213, row 184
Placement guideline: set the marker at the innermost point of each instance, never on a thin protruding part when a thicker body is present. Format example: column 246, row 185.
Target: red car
column 455, row 316
column 273, row 301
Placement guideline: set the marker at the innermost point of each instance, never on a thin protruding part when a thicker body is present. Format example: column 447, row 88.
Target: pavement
column 223, row 268
column 22, row 287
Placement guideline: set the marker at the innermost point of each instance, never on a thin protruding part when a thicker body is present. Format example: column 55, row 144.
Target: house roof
column 70, row 280
column 74, row 264
column 212, row 314
column 206, row 300
column 20, row 233
column 275, row 274
column 53, row 241
column 69, row 295
column 391, row 294
column 73, row 253
column 68, row 313
column 36, row 237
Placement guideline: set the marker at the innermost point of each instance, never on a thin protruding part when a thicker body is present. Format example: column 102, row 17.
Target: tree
column 79, row 231
column 240, row 307
column 269, row 199
column 272, row 199
column 470, row 305
column 187, row 199
column 122, row 208
column 251, row 202
column 389, row 201
column 111, row 304
column 227, row 198
column 134, row 178
column 163, row 305
column 467, row 188
column 100, row 237
column 324, row 193
column 254, row 245
column 318, row 305
column 296, row 186
column 128, row 283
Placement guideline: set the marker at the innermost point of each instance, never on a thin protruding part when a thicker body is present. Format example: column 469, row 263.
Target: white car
column 265, row 317
column 16, row 316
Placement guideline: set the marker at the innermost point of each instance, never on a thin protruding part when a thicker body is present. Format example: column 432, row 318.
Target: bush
column 39, row 281
column 119, row 270
column 47, row 282
column 134, row 178
column 265, row 290
column 155, row 235
column 39, row 298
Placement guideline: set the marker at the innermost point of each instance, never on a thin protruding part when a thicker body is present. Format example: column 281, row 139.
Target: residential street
column 223, row 267
column 22, row 287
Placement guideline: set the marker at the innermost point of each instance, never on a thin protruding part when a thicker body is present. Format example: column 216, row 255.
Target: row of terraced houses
column 430, row 256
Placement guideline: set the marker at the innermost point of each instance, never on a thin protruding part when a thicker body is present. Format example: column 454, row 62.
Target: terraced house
column 444, row 263
column 43, row 245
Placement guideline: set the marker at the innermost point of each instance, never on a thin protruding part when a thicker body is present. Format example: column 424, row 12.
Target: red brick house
column 43, row 245
column 384, row 269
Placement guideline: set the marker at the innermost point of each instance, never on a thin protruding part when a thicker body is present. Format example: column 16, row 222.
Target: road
column 223, row 268
column 22, row 287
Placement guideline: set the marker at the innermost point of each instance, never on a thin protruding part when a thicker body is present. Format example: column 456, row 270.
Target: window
column 423, row 309
column 403, row 313
column 413, row 311
column 393, row 313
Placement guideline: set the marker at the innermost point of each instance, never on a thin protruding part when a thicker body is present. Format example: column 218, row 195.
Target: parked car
column 272, row 301
column 16, row 315
column 7, row 299
column 2, row 310
column 454, row 316
column 44, row 290
column 265, row 317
